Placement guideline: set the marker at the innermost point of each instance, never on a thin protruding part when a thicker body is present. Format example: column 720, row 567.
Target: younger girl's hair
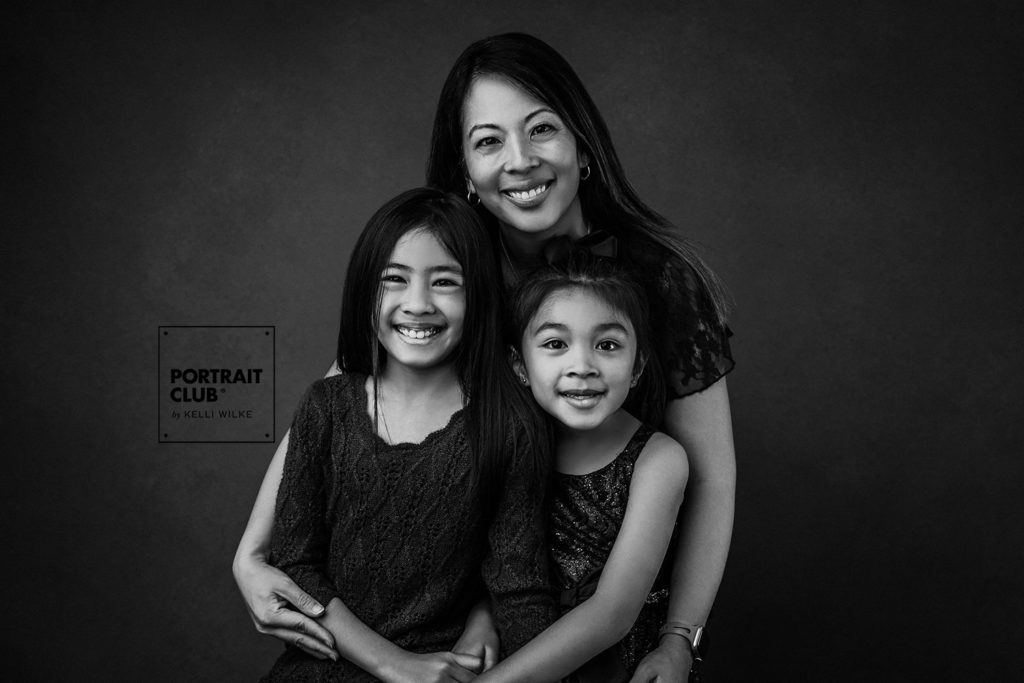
column 602, row 277
column 493, row 400
column 608, row 200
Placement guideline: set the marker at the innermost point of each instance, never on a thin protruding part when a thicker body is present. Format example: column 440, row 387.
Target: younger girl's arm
column 655, row 492
column 702, row 423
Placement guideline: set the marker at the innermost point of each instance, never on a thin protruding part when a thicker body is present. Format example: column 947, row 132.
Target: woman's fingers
column 299, row 598
column 303, row 625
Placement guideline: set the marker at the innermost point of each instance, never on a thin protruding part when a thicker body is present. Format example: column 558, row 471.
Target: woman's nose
column 519, row 154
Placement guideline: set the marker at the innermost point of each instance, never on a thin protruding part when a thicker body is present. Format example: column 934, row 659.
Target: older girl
column 412, row 480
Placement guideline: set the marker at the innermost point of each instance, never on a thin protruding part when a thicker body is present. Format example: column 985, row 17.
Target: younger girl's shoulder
column 662, row 456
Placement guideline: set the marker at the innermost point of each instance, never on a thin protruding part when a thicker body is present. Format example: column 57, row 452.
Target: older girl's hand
column 435, row 667
column 279, row 608
column 668, row 663
column 480, row 637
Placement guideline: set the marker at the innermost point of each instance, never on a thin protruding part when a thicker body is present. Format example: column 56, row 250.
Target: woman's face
column 522, row 160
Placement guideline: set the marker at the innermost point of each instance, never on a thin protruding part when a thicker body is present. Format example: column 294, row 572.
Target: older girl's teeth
column 417, row 333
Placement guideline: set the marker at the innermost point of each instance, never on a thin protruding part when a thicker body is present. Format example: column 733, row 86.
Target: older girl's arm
column 276, row 604
column 655, row 493
column 702, row 423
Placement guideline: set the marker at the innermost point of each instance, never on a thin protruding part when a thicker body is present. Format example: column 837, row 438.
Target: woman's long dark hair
column 493, row 400
column 606, row 197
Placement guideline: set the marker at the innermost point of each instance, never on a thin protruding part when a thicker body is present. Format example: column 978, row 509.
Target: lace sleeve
column 692, row 345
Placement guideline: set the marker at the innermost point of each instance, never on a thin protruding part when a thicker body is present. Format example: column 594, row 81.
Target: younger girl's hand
column 668, row 663
column 435, row 667
column 480, row 637
column 272, row 599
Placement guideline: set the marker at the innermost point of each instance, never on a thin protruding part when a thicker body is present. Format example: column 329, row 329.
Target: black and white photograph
column 578, row 342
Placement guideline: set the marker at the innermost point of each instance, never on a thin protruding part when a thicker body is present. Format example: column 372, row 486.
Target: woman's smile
column 529, row 196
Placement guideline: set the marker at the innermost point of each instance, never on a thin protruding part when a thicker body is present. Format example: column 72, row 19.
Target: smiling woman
column 522, row 161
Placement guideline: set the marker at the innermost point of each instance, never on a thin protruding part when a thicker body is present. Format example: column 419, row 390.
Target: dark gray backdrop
column 852, row 173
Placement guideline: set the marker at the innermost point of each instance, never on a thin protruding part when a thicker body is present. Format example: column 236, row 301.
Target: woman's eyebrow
column 495, row 126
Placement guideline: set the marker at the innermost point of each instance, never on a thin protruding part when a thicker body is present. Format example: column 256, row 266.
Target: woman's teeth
column 417, row 333
column 527, row 195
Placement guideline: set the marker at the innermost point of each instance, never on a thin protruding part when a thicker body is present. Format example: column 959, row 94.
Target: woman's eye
column 446, row 282
column 608, row 345
column 543, row 128
column 487, row 142
column 554, row 344
column 392, row 278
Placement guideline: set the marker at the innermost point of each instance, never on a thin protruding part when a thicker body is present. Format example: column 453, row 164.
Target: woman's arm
column 702, row 423
column 277, row 606
column 655, row 492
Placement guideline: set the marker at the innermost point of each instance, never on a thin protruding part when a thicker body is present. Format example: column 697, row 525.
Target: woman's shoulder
column 693, row 340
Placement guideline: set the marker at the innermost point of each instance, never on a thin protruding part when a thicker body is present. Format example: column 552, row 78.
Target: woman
column 516, row 131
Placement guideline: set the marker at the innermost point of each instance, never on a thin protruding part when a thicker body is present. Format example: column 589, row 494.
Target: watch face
column 698, row 636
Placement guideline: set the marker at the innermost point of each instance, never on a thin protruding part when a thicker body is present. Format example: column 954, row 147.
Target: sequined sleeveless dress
column 586, row 513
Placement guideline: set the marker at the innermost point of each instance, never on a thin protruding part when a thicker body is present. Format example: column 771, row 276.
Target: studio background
column 853, row 175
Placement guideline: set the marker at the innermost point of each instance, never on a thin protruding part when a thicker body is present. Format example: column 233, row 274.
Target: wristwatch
column 692, row 633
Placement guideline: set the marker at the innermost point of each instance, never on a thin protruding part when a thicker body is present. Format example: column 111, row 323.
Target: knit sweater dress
column 396, row 532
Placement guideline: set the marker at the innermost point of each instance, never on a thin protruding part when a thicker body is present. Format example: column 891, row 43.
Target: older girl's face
column 522, row 160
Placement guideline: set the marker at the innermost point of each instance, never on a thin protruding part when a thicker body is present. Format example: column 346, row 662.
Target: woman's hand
column 480, row 638
column 670, row 662
column 435, row 667
column 272, row 599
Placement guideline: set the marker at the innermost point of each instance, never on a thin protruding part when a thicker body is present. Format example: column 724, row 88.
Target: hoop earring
column 585, row 173
column 469, row 198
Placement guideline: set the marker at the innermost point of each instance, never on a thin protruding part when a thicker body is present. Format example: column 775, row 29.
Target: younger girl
column 384, row 511
column 583, row 342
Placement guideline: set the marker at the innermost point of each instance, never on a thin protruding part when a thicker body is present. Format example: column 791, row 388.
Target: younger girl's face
column 422, row 303
column 521, row 159
column 578, row 354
